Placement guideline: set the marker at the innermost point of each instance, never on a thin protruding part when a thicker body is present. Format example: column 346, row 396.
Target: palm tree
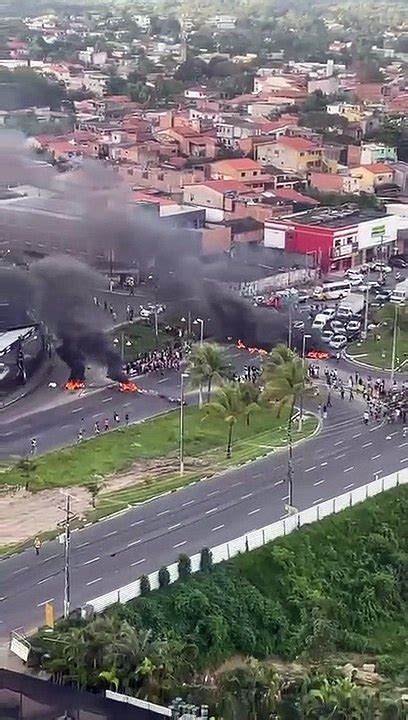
column 228, row 405
column 284, row 375
column 249, row 692
column 208, row 366
column 250, row 396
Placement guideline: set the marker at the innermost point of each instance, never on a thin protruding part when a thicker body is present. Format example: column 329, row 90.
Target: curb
column 38, row 381
column 352, row 359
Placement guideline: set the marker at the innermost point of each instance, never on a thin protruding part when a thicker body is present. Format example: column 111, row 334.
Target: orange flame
column 75, row 385
column 252, row 350
column 318, row 355
column 128, row 387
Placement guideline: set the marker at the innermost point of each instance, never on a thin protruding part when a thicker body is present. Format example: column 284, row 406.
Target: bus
column 332, row 290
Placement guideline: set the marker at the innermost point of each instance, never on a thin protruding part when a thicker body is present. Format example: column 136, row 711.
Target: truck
column 400, row 293
column 352, row 305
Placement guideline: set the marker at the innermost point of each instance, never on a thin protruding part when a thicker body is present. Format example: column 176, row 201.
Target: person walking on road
column 324, row 412
column 328, row 402
column 342, row 392
column 351, row 394
column 97, row 429
column 116, row 418
column 33, row 447
column 106, row 425
column 80, row 436
column 37, row 545
column 365, row 417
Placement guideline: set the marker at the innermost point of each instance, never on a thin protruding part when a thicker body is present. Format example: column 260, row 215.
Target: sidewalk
column 39, row 377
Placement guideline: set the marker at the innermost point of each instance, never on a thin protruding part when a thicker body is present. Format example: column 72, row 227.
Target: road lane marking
column 163, row 512
column 52, row 557
column 404, row 460
column 138, row 562
column 20, row 570
column 219, row 527
column 339, row 442
column 40, row 582
column 88, row 562
column 189, row 502
column 207, row 512
column 163, row 380
column 173, row 527
column 323, row 464
column 134, row 542
column 245, row 497
column 285, row 498
column 356, row 435
column 310, row 469
column 183, row 542
column 45, row 602
column 97, row 415
column 64, row 427
column 112, row 532
column 91, row 582
column 319, row 482
column 337, row 457
column 237, row 483
column 316, row 502
column 77, row 409
column 138, row 522
column 347, row 487
column 214, row 492
column 107, row 400
column 367, row 444
column 78, row 547
column 254, row 511
column 375, row 457
column 348, row 469
column 403, row 444
column 278, row 482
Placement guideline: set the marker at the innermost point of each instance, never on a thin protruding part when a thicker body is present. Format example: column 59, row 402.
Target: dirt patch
column 24, row 514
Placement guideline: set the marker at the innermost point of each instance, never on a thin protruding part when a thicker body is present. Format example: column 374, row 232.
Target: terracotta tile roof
column 378, row 168
column 225, row 186
column 238, row 164
column 298, row 143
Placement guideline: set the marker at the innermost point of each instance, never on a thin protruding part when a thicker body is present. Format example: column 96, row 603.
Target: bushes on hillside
column 325, row 587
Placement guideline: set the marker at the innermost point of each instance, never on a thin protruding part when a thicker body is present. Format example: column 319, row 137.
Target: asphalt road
column 116, row 551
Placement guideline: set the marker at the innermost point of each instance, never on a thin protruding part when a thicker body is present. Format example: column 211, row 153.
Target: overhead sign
column 378, row 230
column 20, row 648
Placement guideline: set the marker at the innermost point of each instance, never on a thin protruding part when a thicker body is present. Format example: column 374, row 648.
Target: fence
column 257, row 538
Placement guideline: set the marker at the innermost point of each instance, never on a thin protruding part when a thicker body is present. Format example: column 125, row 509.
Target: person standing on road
column 33, row 447
column 365, row 417
column 37, row 545
column 80, row 436
column 116, row 418
column 351, row 394
column 328, row 402
column 106, row 426
column 342, row 392
column 97, row 429
column 127, row 419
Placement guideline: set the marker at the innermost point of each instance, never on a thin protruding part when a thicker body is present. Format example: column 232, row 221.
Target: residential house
column 230, row 199
column 243, row 169
column 198, row 92
column 349, row 111
column 401, row 176
column 372, row 153
column 297, row 154
column 190, row 142
column 231, row 130
column 373, row 177
column 335, row 183
column 162, row 177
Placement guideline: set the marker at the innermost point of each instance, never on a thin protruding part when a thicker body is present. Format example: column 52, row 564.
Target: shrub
column 164, row 577
column 144, row 585
column 184, row 567
column 206, row 560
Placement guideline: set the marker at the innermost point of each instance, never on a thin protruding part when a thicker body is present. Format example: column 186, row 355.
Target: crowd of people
column 158, row 361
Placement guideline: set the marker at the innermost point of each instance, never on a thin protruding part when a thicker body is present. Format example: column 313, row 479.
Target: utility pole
column 182, row 378
column 67, row 542
column 394, row 343
column 366, row 314
column 290, row 325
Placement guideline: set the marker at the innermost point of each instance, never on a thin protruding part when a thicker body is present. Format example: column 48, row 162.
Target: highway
column 116, row 551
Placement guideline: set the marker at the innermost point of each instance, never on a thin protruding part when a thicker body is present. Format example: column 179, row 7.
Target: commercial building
column 336, row 238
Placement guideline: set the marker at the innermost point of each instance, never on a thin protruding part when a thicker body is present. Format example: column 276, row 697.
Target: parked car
column 327, row 335
column 383, row 296
column 353, row 326
column 338, row 326
column 398, row 261
column 356, row 280
column 338, row 341
column 381, row 267
column 298, row 325
column 329, row 313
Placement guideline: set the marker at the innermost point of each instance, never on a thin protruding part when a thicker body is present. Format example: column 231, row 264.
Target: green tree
column 250, row 395
column 284, row 374
column 27, row 467
column 208, row 366
column 229, row 406
column 249, row 692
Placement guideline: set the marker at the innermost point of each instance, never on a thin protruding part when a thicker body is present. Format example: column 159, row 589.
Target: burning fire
column 75, row 385
column 318, row 355
column 252, row 350
column 128, row 387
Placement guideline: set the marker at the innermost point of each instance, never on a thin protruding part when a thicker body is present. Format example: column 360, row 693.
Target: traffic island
column 376, row 352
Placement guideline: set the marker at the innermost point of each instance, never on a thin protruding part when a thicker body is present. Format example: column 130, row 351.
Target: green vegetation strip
column 140, row 338
column 378, row 353
column 157, row 438
column 337, row 586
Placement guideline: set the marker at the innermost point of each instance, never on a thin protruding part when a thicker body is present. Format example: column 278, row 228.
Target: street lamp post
column 305, row 337
column 200, row 321
column 156, row 296
column 182, row 378
column 366, row 313
column 394, row 343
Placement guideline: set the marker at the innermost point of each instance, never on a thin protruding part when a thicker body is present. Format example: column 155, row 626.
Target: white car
column 338, row 326
column 328, row 312
column 353, row 326
column 319, row 322
column 338, row 341
column 327, row 335
column 356, row 280
column 381, row 267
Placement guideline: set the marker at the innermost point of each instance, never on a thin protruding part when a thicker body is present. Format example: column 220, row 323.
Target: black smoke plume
column 106, row 220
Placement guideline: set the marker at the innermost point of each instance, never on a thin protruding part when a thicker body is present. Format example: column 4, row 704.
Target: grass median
column 116, row 452
column 378, row 352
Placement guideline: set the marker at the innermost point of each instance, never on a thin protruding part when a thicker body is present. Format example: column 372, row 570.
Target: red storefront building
column 334, row 238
